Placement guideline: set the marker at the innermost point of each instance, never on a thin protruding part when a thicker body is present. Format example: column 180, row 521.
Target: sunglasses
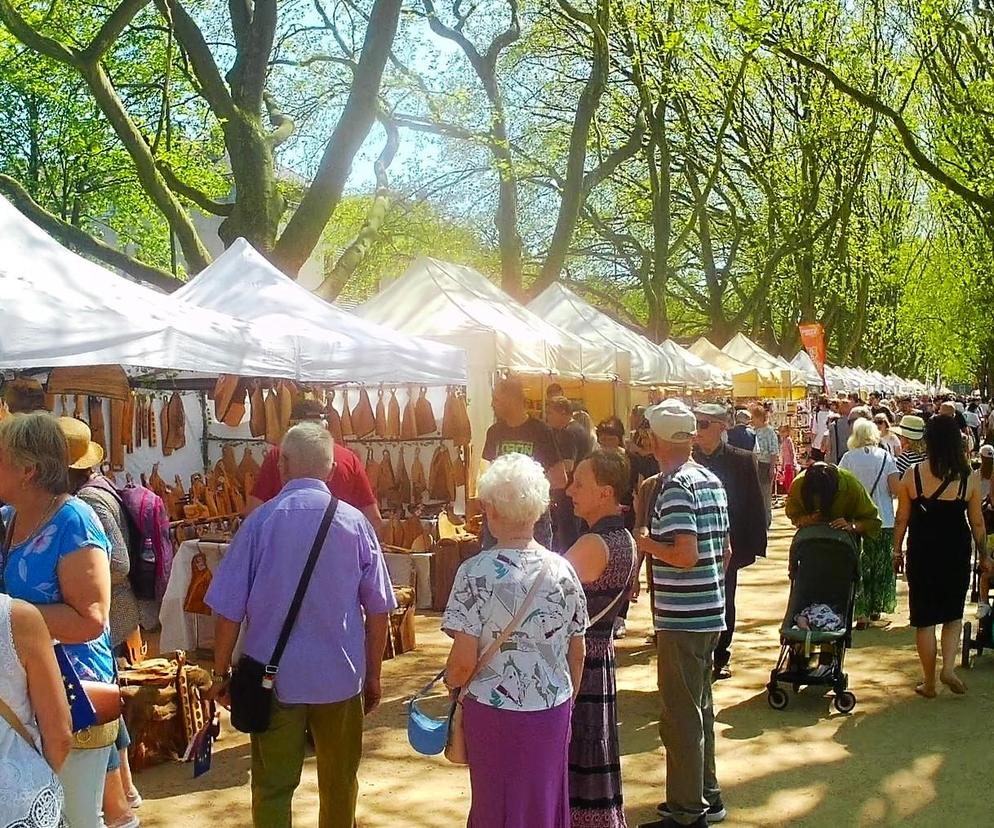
column 705, row 423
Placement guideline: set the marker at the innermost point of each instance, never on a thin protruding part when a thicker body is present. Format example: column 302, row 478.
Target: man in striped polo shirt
column 688, row 540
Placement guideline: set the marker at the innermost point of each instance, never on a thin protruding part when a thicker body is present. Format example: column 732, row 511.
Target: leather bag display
column 363, row 420
column 424, row 414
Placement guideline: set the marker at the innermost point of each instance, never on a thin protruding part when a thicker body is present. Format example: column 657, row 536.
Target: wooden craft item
column 409, row 425
column 257, row 415
column 363, row 420
column 403, row 479
column 334, row 419
column 117, row 434
column 419, row 480
column 393, row 416
column 372, row 471
column 98, row 431
column 348, row 430
column 107, row 381
column 381, row 415
column 424, row 415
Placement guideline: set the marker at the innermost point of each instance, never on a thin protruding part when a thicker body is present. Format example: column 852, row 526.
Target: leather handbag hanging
column 257, row 411
column 248, row 467
column 116, row 435
column 409, row 424
column 424, row 414
column 363, row 421
column 459, row 468
column 403, row 479
column 463, row 425
column 419, row 480
column 381, row 415
column 252, row 681
column 372, row 471
column 348, row 430
column 333, row 419
column 393, row 416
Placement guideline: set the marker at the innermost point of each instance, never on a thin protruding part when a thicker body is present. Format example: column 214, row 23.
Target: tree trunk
column 304, row 230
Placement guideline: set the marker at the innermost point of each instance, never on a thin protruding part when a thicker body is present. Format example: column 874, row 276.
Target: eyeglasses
column 705, row 423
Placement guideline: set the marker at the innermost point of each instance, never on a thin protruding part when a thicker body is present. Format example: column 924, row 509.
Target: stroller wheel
column 777, row 698
column 967, row 642
column 845, row 702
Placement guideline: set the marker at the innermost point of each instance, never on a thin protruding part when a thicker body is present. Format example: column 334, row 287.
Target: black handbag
column 251, row 688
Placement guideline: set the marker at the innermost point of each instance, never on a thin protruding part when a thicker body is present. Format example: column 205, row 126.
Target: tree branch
column 283, row 125
column 34, row 40
column 188, row 33
column 926, row 164
column 112, row 28
column 319, row 202
column 81, row 241
column 198, row 197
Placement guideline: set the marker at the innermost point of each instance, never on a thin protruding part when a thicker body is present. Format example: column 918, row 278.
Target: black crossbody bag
column 252, row 681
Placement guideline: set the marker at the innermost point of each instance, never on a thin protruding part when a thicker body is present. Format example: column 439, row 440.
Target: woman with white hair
column 516, row 699
column 876, row 469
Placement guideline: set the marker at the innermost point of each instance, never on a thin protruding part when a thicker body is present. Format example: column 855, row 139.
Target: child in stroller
column 816, row 629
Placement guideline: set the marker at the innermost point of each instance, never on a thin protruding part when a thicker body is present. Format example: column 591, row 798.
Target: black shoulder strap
column 918, row 481
column 880, row 474
column 302, row 584
column 945, row 485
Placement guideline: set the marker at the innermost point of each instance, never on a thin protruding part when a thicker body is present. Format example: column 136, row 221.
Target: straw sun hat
column 83, row 452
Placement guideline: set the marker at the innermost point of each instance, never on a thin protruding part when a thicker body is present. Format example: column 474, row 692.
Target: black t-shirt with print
column 532, row 438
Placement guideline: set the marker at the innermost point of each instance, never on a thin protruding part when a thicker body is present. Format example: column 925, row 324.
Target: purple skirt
column 518, row 766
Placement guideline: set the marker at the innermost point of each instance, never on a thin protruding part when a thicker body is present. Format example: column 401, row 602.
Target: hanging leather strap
column 18, row 726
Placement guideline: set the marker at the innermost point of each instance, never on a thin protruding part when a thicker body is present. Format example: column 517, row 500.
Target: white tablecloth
column 400, row 564
column 184, row 630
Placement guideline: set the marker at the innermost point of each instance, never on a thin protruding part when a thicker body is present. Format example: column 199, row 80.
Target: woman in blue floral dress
column 57, row 557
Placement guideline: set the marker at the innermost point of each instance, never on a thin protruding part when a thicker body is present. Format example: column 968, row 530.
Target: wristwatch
column 216, row 676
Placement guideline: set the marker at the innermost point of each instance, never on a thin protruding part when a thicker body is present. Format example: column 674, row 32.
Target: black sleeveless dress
column 594, row 753
column 939, row 554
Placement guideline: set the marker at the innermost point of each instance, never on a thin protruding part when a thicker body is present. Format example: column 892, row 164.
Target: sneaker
column 669, row 822
column 134, row 799
column 715, row 813
column 983, row 610
column 721, row 673
column 619, row 628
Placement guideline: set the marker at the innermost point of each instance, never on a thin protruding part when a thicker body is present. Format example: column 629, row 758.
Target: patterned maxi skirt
column 594, row 754
column 877, row 591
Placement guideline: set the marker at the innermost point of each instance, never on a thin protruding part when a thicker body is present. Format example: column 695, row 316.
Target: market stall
column 460, row 306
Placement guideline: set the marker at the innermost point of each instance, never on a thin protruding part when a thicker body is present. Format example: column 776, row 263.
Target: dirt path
column 897, row 760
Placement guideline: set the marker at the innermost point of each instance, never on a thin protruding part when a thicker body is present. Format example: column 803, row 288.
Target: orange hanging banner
column 813, row 339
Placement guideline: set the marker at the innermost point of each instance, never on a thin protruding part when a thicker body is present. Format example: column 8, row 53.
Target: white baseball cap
column 672, row 421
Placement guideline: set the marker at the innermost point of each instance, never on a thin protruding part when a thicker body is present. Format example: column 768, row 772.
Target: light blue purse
column 427, row 734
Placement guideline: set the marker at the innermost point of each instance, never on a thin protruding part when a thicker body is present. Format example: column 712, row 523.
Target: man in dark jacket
column 738, row 471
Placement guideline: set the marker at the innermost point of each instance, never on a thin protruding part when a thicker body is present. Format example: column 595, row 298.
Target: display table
column 184, row 630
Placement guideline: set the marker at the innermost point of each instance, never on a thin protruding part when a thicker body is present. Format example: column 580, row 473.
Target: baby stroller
column 824, row 565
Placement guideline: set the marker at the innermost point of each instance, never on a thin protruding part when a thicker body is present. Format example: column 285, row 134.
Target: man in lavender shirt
column 330, row 671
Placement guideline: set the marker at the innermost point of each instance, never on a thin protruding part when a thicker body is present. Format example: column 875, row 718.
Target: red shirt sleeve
column 268, row 484
column 349, row 481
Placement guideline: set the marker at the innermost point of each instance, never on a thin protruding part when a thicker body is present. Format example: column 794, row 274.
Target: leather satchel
column 455, row 748
column 252, row 681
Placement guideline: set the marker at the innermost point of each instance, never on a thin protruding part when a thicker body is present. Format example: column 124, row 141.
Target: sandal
column 921, row 690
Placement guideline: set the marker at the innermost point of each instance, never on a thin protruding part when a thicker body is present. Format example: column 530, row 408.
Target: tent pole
column 204, row 438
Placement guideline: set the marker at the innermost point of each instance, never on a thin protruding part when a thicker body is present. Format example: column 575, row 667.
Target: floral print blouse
column 530, row 672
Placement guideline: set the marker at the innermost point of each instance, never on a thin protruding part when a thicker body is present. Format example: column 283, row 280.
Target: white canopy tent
column 460, row 306
column 649, row 364
column 704, row 349
column 803, row 362
column 701, row 373
column 747, row 351
column 331, row 345
column 59, row 309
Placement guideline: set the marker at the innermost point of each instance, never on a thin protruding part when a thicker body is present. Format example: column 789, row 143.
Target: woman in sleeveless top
column 31, row 695
column 936, row 499
column 605, row 561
